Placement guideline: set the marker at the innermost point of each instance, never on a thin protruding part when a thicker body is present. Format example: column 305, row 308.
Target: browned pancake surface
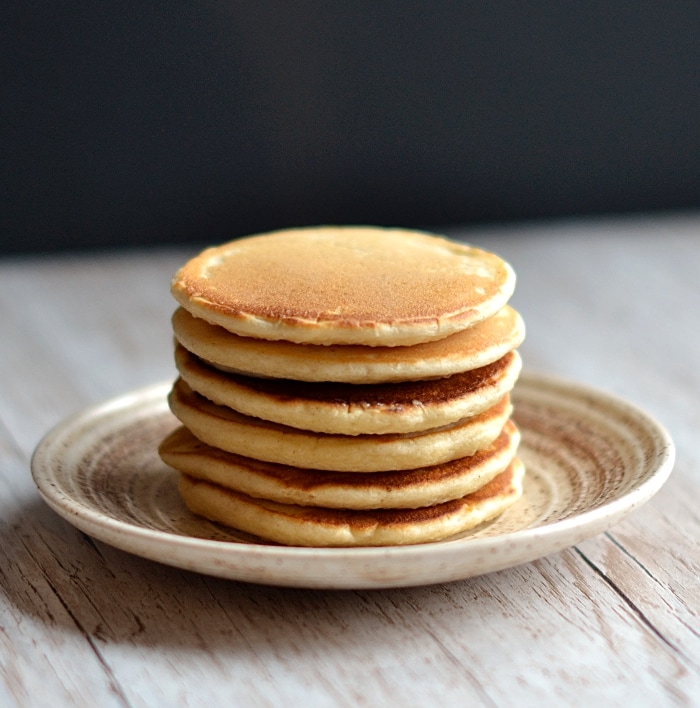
column 282, row 483
column 344, row 284
column 316, row 526
column 481, row 344
column 391, row 396
column 227, row 429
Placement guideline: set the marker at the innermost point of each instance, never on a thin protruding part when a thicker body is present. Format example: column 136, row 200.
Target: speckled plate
column 591, row 459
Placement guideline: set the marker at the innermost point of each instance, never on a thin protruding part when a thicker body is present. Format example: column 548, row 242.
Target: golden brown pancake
column 344, row 285
column 472, row 348
column 231, row 431
column 317, row 526
column 353, row 409
column 340, row 490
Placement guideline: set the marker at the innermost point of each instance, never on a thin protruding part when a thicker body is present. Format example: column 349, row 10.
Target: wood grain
column 615, row 620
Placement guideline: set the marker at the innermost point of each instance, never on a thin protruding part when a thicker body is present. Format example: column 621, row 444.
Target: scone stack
column 346, row 386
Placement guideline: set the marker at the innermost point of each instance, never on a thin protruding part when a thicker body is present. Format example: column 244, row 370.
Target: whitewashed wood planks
column 615, row 620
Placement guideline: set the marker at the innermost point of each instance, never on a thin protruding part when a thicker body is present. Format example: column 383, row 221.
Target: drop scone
column 346, row 386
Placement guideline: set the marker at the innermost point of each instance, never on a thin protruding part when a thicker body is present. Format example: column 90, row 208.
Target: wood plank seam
column 634, row 608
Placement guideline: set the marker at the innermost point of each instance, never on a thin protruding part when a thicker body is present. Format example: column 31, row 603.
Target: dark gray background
column 192, row 121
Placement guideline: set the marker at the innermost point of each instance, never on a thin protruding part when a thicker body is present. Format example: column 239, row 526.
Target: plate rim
column 154, row 395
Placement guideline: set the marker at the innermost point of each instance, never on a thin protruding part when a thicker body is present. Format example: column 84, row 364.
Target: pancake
column 340, row 490
column 344, row 285
column 353, row 409
column 228, row 430
column 317, row 526
column 472, row 348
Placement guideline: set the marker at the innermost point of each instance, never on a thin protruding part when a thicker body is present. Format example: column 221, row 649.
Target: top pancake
column 344, row 285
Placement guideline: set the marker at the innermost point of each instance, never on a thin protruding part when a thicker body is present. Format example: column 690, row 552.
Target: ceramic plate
column 591, row 458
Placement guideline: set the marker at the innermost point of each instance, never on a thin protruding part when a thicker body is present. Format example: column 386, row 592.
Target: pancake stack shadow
column 346, row 386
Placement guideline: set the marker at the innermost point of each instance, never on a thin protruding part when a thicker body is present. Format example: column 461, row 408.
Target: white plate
column 591, row 458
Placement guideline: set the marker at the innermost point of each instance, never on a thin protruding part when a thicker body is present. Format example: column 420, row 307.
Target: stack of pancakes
column 345, row 386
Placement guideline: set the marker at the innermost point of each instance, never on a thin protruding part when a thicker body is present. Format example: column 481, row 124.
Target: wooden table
column 613, row 621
